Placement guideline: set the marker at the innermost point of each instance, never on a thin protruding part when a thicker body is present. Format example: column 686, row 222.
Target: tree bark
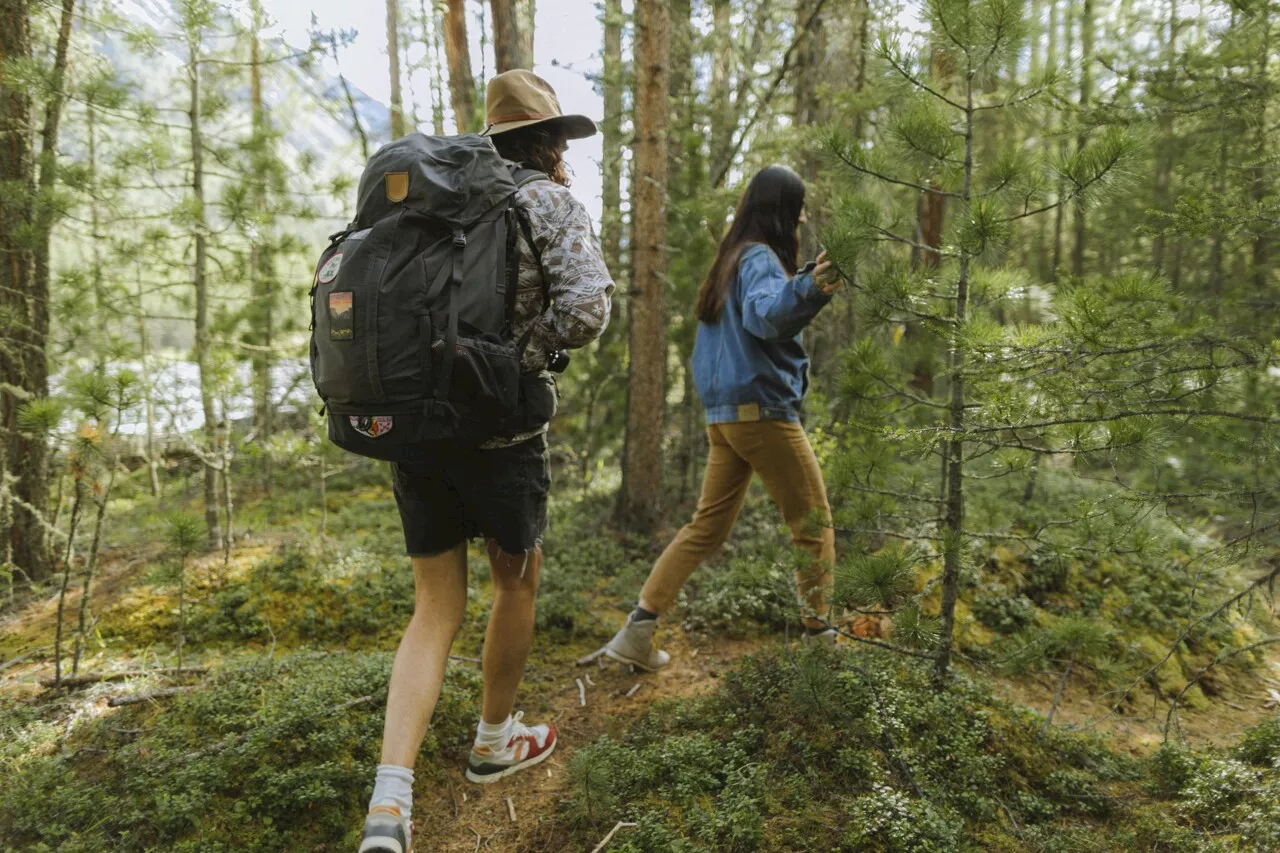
column 642, row 475
column 931, row 207
column 953, row 520
column 201, row 284
column 722, row 115
column 1165, row 144
column 528, row 21
column 1060, row 212
column 808, row 112
column 393, row 56
column 434, row 41
column 261, row 272
column 462, row 85
column 611, row 130
column 1082, row 139
column 1258, row 189
column 507, row 44
column 25, row 307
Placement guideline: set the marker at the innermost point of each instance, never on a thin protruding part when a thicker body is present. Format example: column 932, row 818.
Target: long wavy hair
column 538, row 146
column 768, row 213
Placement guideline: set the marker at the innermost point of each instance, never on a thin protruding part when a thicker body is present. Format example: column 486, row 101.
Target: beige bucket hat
column 521, row 98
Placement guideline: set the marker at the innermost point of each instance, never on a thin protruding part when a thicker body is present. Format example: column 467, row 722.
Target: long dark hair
column 768, row 213
column 538, row 146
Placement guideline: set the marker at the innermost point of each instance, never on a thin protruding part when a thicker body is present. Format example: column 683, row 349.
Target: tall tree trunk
column 1044, row 260
column 1259, row 189
column 931, row 207
column 722, row 115
column 393, row 55
column 462, row 85
column 953, row 520
column 201, row 285
column 24, row 293
column 642, row 475
column 1059, row 213
column 261, row 266
column 434, row 41
column 507, row 44
column 1082, row 139
column 1165, row 143
column 611, row 128
column 808, row 112
column 528, row 21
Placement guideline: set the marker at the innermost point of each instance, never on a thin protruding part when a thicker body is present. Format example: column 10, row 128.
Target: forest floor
column 453, row 816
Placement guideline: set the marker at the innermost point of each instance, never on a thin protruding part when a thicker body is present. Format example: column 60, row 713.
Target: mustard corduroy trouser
column 779, row 451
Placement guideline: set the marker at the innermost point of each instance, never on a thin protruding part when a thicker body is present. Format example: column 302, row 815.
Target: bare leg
column 440, row 584
column 510, row 631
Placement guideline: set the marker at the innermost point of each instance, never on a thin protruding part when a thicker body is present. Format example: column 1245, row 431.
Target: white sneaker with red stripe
column 525, row 747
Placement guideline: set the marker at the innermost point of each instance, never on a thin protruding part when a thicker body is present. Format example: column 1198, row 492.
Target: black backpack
column 412, row 304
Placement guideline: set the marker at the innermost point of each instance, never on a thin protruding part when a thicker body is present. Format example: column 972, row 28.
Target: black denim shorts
column 459, row 493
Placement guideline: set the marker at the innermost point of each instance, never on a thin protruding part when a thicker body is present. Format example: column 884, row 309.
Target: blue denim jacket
column 750, row 364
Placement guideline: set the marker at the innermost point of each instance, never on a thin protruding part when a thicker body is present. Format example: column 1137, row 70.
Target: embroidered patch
column 329, row 271
column 341, row 316
column 373, row 427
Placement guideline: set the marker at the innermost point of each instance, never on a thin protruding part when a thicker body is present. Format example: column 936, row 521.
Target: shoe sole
column 490, row 778
column 377, row 845
column 621, row 658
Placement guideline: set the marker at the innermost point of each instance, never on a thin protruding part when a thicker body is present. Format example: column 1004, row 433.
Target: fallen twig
column 117, row 701
column 511, row 809
column 463, row 659
column 587, row 678
column 634, row 690
column 612, row 833
column 582, row 692
column 85, row 680
column 596, row 655
column 21, row 658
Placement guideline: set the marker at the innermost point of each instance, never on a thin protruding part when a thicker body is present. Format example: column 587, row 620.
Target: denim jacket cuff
column 808, row 288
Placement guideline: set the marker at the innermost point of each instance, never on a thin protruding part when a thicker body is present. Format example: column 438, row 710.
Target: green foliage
column 265, row 756
column 790, row 745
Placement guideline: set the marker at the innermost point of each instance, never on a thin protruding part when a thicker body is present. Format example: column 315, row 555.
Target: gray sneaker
column 633, row 645
column 828, row 637
column 385, row 831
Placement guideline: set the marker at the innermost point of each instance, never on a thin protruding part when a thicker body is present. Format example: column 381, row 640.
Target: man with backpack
column 438, row 314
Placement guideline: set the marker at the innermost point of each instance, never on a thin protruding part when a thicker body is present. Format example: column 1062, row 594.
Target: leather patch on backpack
column 397, row 186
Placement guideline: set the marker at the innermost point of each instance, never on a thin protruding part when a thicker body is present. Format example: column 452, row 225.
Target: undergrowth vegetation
column 854, row 751
column 267, row 755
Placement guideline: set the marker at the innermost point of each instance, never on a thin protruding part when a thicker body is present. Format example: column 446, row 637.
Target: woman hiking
column 751, row 373
column 498, row 491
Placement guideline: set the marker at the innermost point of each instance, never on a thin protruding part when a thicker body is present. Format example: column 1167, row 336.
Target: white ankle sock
column 393, row 786
column 493, row 735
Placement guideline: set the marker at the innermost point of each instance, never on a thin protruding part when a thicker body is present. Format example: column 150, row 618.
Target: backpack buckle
column 459, row 240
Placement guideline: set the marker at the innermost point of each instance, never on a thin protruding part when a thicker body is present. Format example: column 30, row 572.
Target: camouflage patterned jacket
column 575, row 273
column 576, row 279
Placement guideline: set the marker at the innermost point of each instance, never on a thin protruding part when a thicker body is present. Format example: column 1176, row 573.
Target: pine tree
column 642, row 472
column 932, row 145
